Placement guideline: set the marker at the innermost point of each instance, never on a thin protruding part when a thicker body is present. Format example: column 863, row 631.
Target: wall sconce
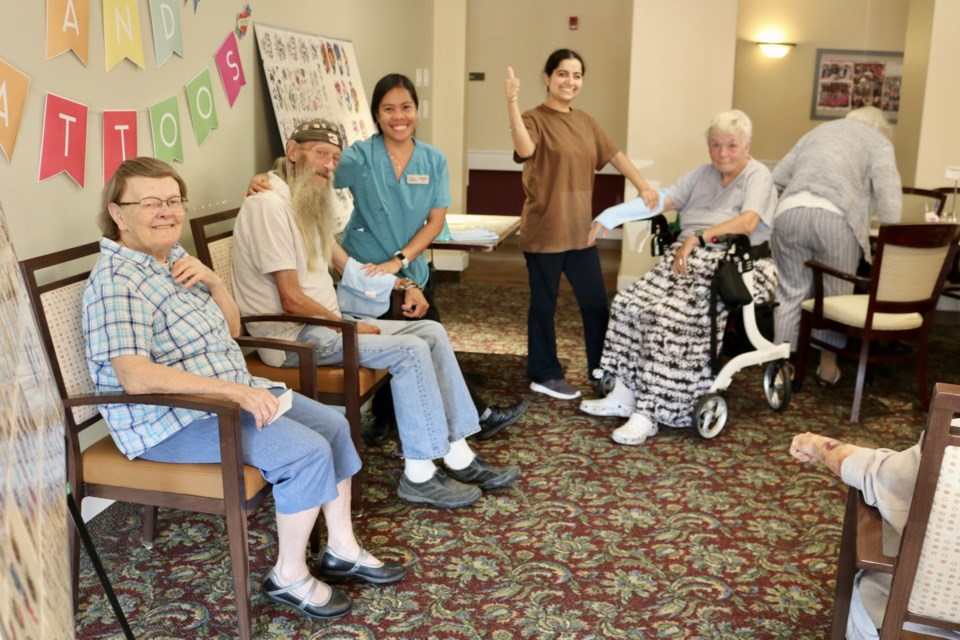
column 776, row 49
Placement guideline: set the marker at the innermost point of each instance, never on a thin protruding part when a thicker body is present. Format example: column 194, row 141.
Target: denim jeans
column 304, row 453
column 430, row 396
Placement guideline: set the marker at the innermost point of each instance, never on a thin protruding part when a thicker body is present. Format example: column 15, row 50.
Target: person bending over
column 283, row 246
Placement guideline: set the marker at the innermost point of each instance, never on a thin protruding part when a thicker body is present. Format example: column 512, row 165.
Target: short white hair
column 733, row 122
column 873, row 117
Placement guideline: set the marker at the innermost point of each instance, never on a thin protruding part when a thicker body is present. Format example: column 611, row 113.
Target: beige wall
column 777, row 93
column 55, row 214
column 521, row 34
column 938, row 135
column 449, row 111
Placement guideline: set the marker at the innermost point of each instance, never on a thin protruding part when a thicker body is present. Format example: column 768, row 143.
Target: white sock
column 460, row 455
column 623, row 394
column 418, row 470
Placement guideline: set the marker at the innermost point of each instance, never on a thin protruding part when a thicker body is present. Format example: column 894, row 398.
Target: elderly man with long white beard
column 284, row 244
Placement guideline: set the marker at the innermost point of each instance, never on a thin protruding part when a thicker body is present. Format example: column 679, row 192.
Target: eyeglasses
column 155, row 204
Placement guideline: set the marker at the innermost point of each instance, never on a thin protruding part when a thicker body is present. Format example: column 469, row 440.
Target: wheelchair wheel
column 710, row 415
column 777, row 384
column 604, row 382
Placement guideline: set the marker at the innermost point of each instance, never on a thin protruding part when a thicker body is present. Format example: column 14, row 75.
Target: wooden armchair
column 909, row 270
column 917, row 202
column 231, row 488
column 348, row 385
column 925, row 588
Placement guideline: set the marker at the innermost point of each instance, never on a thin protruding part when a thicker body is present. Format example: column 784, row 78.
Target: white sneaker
column 606, row 408
column 635, row 431
column 558, row 388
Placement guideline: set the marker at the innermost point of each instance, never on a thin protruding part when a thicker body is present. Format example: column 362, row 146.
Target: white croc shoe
column 607, row 407
column 635, row 431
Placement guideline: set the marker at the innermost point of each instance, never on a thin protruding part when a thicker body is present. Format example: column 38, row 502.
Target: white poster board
column 311, row 76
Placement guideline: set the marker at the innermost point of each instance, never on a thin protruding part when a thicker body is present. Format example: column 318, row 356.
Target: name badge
column 414, row 178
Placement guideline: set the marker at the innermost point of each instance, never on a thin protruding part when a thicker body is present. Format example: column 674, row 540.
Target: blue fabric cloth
column 132, row 307
column 361, row 295
column 304, row 453
column 430, row 396
column 388, row 212
column 636, row 209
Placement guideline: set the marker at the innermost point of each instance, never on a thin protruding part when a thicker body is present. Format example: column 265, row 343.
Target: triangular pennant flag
column 203, row 111
column 64, row 141
column 121, row 32
column 119, row 140
column 167, row 35
column 13, row 95
column 231, row 71
column 165, row 125
column 68, row 28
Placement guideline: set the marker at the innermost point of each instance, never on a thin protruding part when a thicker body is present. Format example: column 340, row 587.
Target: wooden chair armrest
column 820, row 268
column 343, row 324
column 228, row 421
column 870, row 554
column 396, row 304
column 304, row 350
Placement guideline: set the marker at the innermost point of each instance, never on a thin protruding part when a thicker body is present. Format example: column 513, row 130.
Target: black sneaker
column 439, row 491
column 485, row 475
column 500, row 418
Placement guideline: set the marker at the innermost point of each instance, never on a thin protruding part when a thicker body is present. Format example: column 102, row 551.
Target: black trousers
column 582, row 269
column 382, row 404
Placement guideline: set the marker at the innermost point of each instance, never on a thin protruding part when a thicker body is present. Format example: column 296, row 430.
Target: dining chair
column 925, row 587
column 909, row 269
column 230, row 489
column 348, row 385
column 918, row 202
column 952, row 288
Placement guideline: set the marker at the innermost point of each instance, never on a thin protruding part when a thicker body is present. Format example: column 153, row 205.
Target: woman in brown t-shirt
column 561, row 150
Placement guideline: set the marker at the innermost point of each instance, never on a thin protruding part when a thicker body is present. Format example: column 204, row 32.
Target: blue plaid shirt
column 132, row 307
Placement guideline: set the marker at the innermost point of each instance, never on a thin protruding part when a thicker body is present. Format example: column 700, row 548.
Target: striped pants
column 658, row 339
column 803, row 234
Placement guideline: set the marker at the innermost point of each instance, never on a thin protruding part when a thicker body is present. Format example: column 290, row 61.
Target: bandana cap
column 317, row 130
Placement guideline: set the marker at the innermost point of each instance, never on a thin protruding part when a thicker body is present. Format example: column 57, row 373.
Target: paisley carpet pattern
column 678, row 538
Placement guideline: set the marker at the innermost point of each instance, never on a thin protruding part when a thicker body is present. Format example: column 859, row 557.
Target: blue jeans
column 430, row 396
column 304, row 453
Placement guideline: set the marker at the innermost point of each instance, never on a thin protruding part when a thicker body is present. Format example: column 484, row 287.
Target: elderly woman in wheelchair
column 658, row 354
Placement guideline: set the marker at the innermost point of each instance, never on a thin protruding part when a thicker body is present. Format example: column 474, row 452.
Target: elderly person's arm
column 812, row 447
column 138, row 375
column 189, row 270
column 743, row 224
column 885, row 185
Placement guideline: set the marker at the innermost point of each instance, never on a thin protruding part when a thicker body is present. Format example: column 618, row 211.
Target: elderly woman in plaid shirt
column 157, row 320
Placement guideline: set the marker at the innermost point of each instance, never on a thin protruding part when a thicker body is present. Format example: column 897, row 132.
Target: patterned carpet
column 679, row 538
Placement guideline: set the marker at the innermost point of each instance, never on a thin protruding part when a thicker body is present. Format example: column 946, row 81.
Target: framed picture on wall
column 848, row 79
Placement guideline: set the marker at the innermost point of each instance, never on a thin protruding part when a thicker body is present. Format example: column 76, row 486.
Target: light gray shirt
column 851, row 164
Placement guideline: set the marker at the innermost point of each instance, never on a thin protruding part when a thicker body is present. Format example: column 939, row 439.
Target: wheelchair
column 711, row 411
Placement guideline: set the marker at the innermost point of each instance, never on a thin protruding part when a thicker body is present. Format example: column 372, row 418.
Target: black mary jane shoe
column 333, row 567
column 338, row 604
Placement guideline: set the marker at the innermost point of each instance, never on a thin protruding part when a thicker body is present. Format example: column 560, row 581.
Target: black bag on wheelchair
column 729, row 285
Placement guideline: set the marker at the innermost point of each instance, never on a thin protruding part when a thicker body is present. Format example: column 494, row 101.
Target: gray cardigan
column 848, row 163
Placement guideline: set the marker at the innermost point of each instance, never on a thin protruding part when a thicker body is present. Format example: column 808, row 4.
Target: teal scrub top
column 388, row 212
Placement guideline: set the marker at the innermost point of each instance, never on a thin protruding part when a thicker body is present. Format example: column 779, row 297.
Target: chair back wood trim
column 917, row 541
column 939, row 198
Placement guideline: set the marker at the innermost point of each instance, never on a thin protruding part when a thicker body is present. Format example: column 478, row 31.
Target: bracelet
column 514, row 99
column 407, row 284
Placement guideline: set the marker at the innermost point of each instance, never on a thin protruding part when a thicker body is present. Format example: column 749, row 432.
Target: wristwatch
column 403, row 259
column 699, row 234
